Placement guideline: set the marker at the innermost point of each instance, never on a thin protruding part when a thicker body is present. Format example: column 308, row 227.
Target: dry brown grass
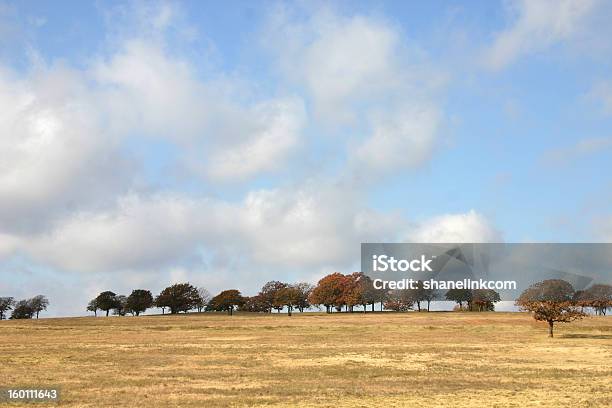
column 313, row 360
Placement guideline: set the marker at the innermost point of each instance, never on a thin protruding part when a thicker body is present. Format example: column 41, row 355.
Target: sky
column 226, row 144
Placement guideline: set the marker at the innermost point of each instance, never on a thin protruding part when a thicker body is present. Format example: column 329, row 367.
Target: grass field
column 312, row 360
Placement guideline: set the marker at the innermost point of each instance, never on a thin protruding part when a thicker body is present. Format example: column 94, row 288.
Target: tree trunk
column 95, row 313
column 37, row 314
column 107, row 312
column 289, row 310
column 550, row 328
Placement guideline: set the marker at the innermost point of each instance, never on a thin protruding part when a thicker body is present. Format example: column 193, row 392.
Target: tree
column 329, row 292
column 288, row 296
column 459, row 296
column 106, row 301
column 598, row 297
column 179, row 297
column 203, row 299
column 23, row 310
column 400, row 300
column 139, row 301
column 269, row 292
column 92, row 306
column 485, row 299
column 6, row 304
column 121, row 308
column 38, row 304
column 227, row 300
column 304, row 290
column 369, row 294
column 550, row 301
column 257, row 304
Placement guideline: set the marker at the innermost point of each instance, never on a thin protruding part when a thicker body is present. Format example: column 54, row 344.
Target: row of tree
column 334, row 292
column 23, row 309
column 180, row 297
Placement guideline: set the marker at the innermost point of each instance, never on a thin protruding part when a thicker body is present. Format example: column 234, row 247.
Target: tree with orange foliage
column 550, row 301
column 329, row 292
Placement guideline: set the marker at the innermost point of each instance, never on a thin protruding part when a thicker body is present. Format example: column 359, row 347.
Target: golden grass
column 313, row 360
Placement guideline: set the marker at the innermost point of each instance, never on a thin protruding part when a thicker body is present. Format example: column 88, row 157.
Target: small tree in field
column 92, row 306
column 289, row 296
column 269, row 292
column 179, row 297
column 304, row 290
column 139, row 301
column 6, row 304
column 550, row 301
column 121, row 307
column 106, row 301
column 228, row 300
column 38, row 304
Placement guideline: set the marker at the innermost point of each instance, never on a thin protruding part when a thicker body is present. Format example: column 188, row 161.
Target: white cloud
column 297, row 228
column 277, row 128
column 342, row 61
column 55, row 155
column 538, row 24
column 401, row 139
column 146, row 90
column 354, row 66
column 451, row 228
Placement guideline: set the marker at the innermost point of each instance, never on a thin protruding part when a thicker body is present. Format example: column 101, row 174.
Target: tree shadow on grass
column 586, row 336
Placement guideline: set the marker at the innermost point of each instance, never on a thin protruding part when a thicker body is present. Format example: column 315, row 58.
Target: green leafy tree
column 139, row 301
column 38, row 304
column 92, row 306
column 180, row 297
column 107, row 301
column 23, row 310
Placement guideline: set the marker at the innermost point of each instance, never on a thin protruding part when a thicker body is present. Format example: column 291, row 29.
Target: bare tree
column 203, row 298
column 6, row 304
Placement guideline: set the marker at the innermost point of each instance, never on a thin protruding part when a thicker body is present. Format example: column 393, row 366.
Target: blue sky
column 145, row 143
